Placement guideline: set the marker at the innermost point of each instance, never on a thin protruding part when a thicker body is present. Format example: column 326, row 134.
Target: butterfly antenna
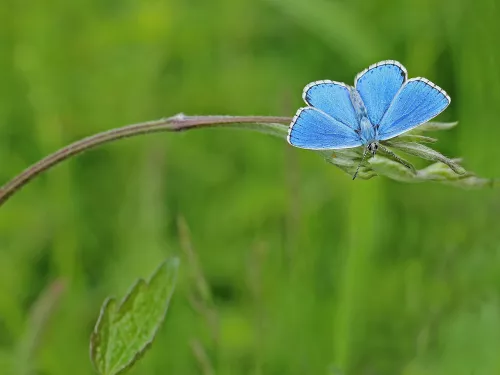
column 359, row 165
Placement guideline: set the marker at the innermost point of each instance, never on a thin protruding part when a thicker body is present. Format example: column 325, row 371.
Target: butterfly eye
column 372, row 147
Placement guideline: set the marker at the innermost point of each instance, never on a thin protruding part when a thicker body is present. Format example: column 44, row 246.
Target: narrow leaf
column 474, row 182
column 409, row 137
column 124, row 332
column 278, row 130
column 339, row 159
column 392, row 169
column 391, row 155
column 425, row 152
column 440, row 172
column 348, row 160
column 435, row 126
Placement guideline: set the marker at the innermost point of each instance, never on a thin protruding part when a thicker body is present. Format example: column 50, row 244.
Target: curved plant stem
column 171, row 124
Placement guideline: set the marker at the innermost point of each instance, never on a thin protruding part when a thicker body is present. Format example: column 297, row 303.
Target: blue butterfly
column 382, row 105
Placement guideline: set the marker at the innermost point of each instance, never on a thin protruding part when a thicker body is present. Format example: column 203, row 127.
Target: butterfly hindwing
column 418, row 101
column 313, row 129
column 333, row 98
column 378, row 85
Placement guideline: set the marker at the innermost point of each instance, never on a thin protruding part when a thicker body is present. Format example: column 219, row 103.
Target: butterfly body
column 367, row 132
column 381, row 105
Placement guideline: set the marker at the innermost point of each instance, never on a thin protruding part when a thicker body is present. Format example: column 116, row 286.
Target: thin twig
column 171, row 124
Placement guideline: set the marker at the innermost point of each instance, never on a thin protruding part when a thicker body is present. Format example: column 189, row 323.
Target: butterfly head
column 372, row 148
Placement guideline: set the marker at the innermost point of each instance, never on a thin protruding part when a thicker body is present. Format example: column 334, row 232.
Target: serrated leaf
column 425, row 152
column 124, row 332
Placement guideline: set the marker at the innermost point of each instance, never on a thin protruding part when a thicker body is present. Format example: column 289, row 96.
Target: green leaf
column 392, row 169
column 441, row 172
column 278, row 130
column 474, row 182
column 435, row 126
column 124, row 332
column 408, row 137
column 348, row 160
column 425, row 152
column 391, row 155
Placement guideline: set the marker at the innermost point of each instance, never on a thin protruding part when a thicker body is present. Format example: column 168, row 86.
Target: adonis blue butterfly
column 382, row 104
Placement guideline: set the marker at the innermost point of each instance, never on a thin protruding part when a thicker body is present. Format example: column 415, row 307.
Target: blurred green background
column 310, row 272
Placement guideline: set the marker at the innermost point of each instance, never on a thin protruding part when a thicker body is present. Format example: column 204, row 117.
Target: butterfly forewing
column 378, row 85
column 418, row 101
column 332, row 98
column 313, row 129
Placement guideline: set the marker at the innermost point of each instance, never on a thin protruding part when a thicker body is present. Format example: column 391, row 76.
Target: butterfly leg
column 388, row 152
column 365, row 152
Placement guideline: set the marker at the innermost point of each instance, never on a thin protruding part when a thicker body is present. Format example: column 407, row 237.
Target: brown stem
column 171, row 124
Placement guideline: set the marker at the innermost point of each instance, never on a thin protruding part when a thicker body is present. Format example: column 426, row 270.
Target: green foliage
column 124, row 332
column 390, row 165
column 307, row 270
column 424, row 152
